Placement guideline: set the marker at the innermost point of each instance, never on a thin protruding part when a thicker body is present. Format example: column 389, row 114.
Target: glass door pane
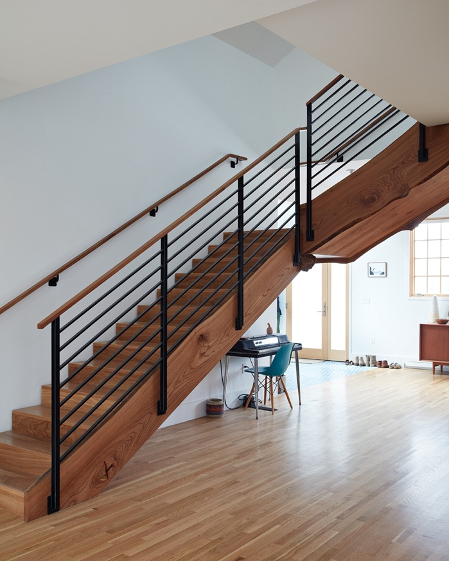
column 307, row 318
column 338, row 311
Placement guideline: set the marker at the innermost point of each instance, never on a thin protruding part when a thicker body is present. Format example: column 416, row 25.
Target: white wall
column 80, row 157
column 381, row 308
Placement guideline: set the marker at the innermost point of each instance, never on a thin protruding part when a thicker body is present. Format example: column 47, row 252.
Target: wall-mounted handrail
column 124, row 226
column 66, row 306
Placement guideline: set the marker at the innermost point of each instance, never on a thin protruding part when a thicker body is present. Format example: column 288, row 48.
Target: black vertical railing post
column 240, row 288
column 309, row 230
column 422, row 155
column 53, row 499
column 162, row 403
column 297, row 200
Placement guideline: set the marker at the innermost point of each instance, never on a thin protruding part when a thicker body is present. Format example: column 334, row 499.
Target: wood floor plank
column 358, row 472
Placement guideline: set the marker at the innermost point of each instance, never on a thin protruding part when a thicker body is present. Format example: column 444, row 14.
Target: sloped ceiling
column 397, row 49
column 45, row 41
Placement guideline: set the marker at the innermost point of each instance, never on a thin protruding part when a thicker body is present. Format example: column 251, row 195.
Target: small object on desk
column 442, row 320
column 269, row 329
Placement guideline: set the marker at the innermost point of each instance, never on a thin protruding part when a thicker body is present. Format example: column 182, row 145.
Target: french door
column 317, row 312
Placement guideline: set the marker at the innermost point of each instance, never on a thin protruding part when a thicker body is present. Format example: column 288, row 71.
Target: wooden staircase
column 383, row 197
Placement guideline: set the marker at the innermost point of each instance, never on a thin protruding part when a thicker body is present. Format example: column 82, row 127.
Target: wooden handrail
column 327, row 87
column 46, row 321
column 115, row 232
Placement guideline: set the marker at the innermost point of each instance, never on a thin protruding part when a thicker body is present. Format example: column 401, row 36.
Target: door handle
column 324, row 309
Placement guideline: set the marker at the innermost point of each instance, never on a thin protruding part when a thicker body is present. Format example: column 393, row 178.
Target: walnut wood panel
column 390, row 176
column 115, row 232
column 158, row 237
column 433, row 342
column 106, row 451
column 399, row 215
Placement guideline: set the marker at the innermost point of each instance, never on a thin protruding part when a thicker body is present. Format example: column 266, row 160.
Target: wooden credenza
column 433, row 344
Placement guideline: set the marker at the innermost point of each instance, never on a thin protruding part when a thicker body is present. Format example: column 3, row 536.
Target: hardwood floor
column 358, row 472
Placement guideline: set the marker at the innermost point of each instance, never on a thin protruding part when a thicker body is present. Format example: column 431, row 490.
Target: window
column 429, row 258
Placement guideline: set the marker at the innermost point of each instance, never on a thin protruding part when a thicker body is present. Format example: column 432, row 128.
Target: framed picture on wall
column 377, row 269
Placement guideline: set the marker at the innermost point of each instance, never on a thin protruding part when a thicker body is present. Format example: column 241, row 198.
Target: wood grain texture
column 392, row 175
column 399, row 215
column 124, row 433
column 358, row 472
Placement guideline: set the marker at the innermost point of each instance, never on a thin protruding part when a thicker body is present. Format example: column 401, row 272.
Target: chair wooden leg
column 271, row 392
column 265, row 390
column 249, row 396
column 286, row 392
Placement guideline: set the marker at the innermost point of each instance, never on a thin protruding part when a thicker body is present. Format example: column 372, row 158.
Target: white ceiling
column 397, row 49
column 45, row 41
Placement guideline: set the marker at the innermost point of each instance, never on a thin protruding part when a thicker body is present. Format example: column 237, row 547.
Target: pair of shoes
column 384, row 364
column 379, row 364
column 359, row 361
column 373, row 360
column 397, row 366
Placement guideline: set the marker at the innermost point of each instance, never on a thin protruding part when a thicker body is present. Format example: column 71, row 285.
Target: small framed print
column 377, row 269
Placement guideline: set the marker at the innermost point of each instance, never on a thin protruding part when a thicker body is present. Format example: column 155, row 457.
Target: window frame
column 412, row 275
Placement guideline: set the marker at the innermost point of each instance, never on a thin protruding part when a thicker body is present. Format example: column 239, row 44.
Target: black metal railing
column 244, row 223
column 344, row 121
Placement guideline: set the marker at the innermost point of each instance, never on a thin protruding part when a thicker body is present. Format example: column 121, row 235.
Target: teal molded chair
column 275, row 370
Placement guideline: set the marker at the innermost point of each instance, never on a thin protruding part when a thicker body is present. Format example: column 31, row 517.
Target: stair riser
column 40, row 428
column 217, row 267
column 196, row 298
column 46, row 398
column 171, row 311
column 12, row 501
column 30, row 462
column 101, row 375
column 258, row 246
column 125, row 354
column 203, row 280
column 262, row 237
column 149, row 332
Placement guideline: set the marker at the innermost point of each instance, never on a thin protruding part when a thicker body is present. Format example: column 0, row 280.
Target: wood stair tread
column 15, row 479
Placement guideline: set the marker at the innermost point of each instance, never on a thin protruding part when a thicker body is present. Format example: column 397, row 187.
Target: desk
column 255, row 354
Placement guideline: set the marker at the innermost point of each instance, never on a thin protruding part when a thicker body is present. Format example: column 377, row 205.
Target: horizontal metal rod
column 271, row 175
column 92, row 375
column 354, row 138
column 83, row 312
column 108, row 309
column 195, row 252
column 270, row 189
column 206, row 300
column 346, row 116
column 205, row 258
column 250, row 271
column 365, row 148
column 97, row 353
column 347, row 127
column 206, row 215
column 184, row 336
column 358, row 140
column 111, row 323
column 269, row 165
column 103, row 416
column 330, row 96
column 329, row 108
column 249, row 219
column 270, row 224
column 102, row 400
